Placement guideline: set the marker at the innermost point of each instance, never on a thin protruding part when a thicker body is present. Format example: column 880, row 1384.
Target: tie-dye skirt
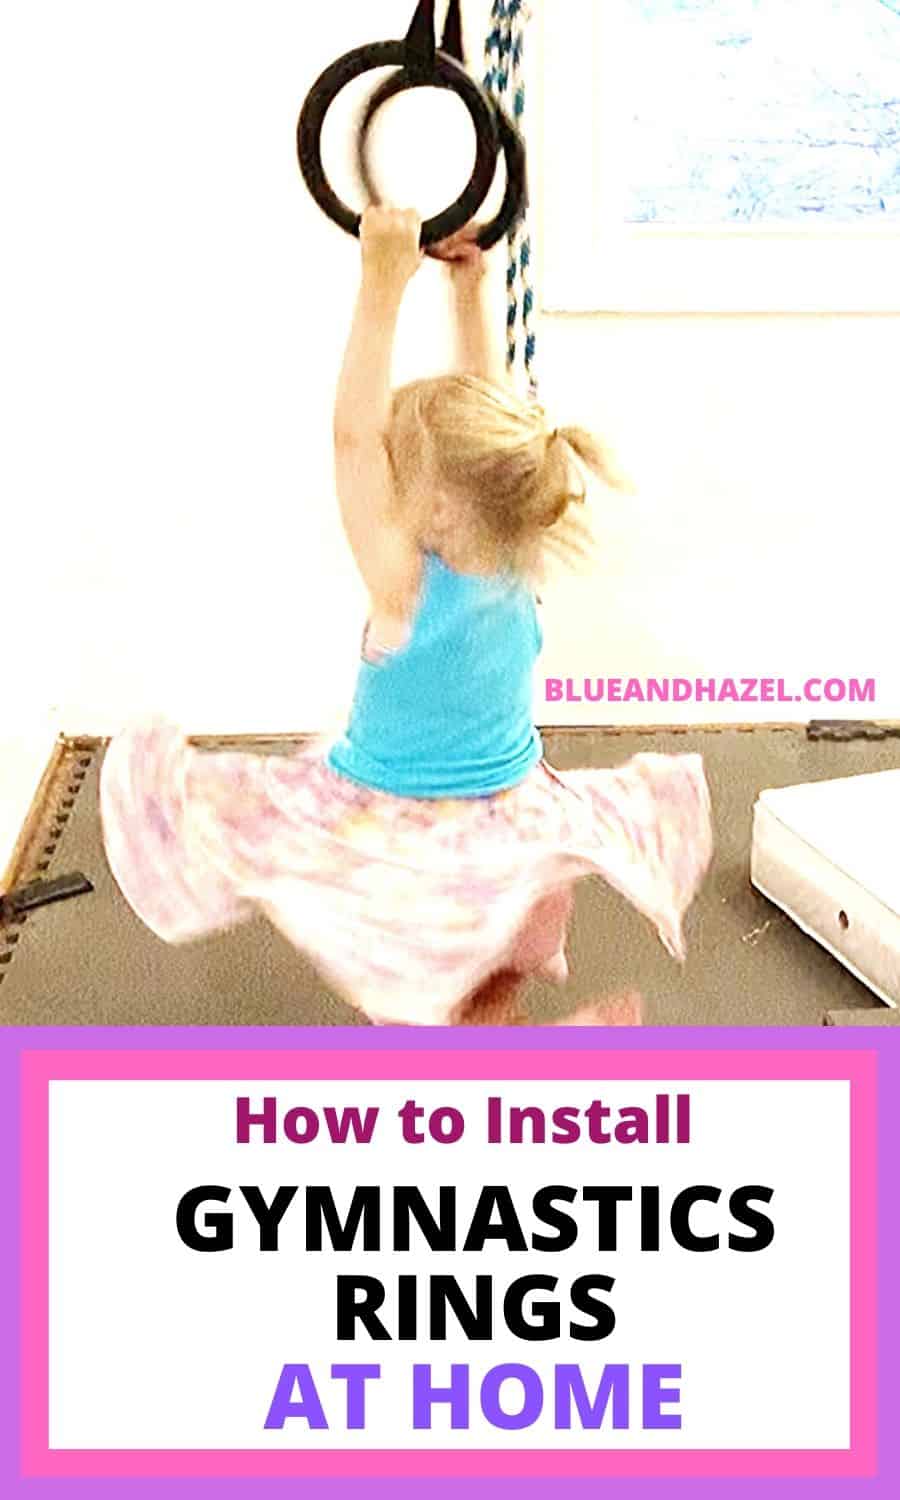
column 405, row 906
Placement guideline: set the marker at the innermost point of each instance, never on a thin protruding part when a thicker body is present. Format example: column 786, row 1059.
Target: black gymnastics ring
column 515, row 200
column 446, row 73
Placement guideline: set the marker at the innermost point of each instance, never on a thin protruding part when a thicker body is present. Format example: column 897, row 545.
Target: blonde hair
column 523, row 480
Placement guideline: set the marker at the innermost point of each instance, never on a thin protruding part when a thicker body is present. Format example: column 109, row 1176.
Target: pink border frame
column 40, row 1068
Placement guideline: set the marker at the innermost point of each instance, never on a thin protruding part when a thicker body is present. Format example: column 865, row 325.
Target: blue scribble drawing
column 765, row 112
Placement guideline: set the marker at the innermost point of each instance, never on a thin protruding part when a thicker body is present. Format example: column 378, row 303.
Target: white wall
column 173, row 312
column 177, row 306
column 24, row 755
column 765, row 539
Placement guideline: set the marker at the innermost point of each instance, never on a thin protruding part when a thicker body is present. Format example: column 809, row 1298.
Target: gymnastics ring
column 515, row 200
column 441, row 71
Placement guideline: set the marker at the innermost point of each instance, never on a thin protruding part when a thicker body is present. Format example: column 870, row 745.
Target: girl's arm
column 478, row 349
column 386, row 556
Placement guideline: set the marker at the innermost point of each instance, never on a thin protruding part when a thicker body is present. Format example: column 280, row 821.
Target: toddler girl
column 425, row 860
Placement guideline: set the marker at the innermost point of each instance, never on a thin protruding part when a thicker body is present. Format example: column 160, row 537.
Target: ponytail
column 596, row 457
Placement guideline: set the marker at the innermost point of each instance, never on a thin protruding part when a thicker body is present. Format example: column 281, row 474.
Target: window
column 706, row 155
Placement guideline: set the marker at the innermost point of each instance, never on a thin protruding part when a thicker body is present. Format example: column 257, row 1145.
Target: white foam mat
column 828, row 854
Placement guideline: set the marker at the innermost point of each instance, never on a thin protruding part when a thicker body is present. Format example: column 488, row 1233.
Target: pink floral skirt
column 406, row 906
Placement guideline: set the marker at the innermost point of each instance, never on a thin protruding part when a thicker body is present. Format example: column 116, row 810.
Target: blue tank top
column 449, row 714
